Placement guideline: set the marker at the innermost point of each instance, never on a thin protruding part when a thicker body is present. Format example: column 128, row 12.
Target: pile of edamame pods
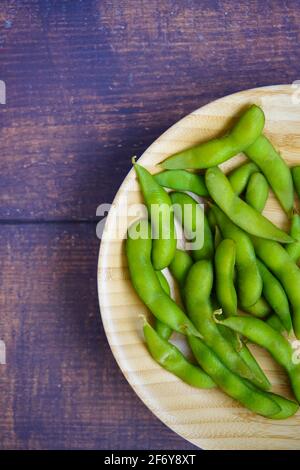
column 242, row 285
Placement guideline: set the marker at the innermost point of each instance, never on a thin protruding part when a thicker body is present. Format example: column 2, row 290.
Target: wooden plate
column 207, row 418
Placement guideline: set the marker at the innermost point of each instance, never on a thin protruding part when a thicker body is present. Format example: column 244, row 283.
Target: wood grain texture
column 61, row 388
column 89, row 84
column 207, row 418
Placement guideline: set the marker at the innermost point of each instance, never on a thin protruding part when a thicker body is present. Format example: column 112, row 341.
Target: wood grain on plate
column 208, row 419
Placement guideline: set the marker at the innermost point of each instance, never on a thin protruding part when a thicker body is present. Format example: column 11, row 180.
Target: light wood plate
column 207, row 418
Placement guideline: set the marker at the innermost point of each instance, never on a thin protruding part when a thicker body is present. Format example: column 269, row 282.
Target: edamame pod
column 265, row 336
column 211, row 220
column 180, row 266
column 239, row 177
column 216, row 151
column 162, row 329
column 275, row 295
column 218, row 237
column 296, row 178
column 193, row 219
column 255, row 400
column 274, row 321
column 197, row 291
column 252, row 363
column 257, row 192
column 275, row 169
column 224, row 269
column 293, row 249
column 248, row 277
column 238, row 210
column 171, row 359
column 182, row 180
column 182, row 263
column 275, row 257
column 162, row 218
column 261, row 308
column 287, row 407
column 146, row 284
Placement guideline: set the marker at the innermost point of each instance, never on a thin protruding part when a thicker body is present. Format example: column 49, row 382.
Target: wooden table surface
column 89, row 84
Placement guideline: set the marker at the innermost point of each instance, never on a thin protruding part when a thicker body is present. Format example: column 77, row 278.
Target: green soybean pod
column 239, row 177
column 212, row 221
column 275, row 169
column 190, row 213
column 248, row 277
column 296, row 178
column 274, row 321
column 180, row 266
column 146, row 283
column 224, row 269
column 275, row 296
column 275, row 257
column 197, row 291
column 171, row 359
column 162, row 329
column 238, row 210
column 261, row 308
column 182, row 180
column 257, row 192
column 247, row 356
column 287, row 407
column 218, row 237
column 265, row 336
column 162, row 220
column 293, row 249
column 211, row 153
column 258, row 401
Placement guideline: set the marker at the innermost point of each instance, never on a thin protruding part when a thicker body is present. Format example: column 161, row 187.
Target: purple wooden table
column 89, row 84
